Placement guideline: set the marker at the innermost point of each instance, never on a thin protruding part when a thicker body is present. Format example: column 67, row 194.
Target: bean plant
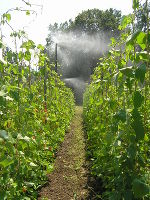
column 117, row 114
column 35, row 110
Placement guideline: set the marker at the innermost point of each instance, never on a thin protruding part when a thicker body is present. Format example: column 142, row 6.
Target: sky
column 51, row 11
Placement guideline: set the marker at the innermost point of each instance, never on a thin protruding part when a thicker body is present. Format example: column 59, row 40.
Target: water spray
column 78, row 55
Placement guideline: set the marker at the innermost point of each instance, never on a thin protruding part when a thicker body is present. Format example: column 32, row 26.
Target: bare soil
column 69, row 180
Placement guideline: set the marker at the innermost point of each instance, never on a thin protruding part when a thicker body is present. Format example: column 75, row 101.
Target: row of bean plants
column 35, row 110
column 117, row 114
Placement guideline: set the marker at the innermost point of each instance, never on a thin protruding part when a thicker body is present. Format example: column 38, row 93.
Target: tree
column 141, row 17
column 95, row 20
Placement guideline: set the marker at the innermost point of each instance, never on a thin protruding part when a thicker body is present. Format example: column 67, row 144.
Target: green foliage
column 116, row 115
column 95, row 20
column 125, row 21
column 6, row 17
column 135, row 4
column 35, row 110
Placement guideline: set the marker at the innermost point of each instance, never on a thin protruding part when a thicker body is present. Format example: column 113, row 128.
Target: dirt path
column 69, row 179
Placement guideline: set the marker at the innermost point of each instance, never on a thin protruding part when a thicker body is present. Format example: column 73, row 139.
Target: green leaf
column 121, row 115
column 135, row 4
column 131, row 151
column 1, row 45
column 140, row 72
column 113, row 41
column 132, row 38
column 139, row 130
column 27, row 56
column 6, row 162
column 27, row 12
column 127, row 71
column 23, row 144
column 137, row 99
column 4, row 134
column 112, row 104
column 7, row 16
column 15, row 95
column 137, row 125
column 149, row 38
column 20, row 55
column 128, row 195
column 141, row 40
column 2, row 101
column 3, row 195
column 143, row 55
column 41, row 47
column 140, row 188
column 129, row 83
column 28, row 45
column 115, row 195
column 126, row 20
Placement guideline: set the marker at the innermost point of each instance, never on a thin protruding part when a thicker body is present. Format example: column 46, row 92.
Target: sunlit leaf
column 6, row 162
column 126, row 20
column 7, row 16
column 141, row 40
column 27, row 56
column 28, row 45
column 41, row 47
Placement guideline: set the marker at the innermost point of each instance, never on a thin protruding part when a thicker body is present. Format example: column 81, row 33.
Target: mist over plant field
column 78, row 53
column 80, row 44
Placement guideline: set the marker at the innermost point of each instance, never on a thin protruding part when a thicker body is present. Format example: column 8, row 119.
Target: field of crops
column 35, row 111
column 117, row 115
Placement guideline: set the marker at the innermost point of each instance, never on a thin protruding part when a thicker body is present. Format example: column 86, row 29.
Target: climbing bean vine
column 117, row 114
